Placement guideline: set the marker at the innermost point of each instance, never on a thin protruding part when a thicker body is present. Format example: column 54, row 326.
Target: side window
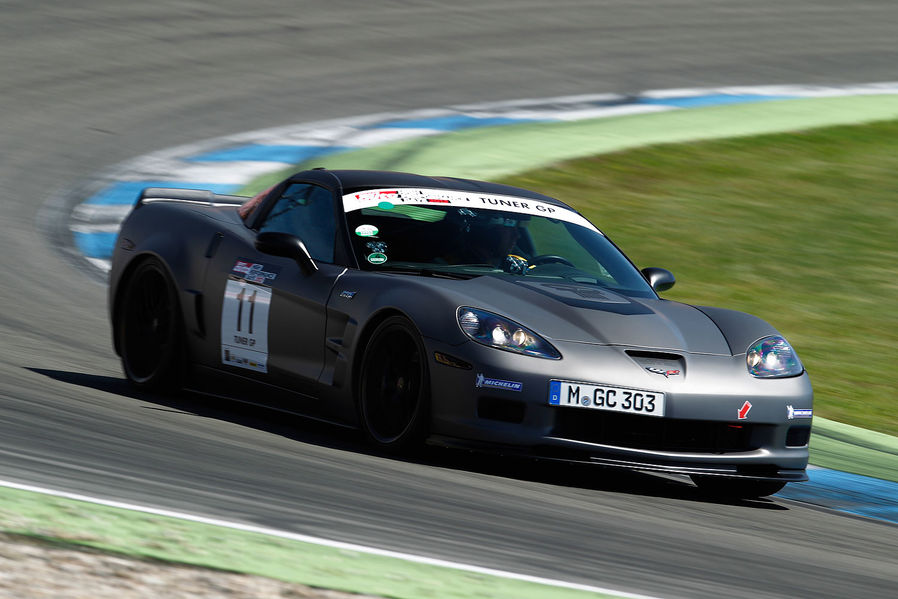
column 306, row 211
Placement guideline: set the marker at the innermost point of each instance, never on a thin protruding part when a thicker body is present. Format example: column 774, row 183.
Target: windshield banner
column 385, row 199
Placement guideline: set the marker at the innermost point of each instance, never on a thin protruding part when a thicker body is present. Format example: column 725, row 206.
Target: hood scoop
column 567, row 291
column 587, row 296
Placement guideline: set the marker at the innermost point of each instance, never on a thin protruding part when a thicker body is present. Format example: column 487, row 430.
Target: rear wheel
column 736, row 488
column 149, row 328
column 394, row 386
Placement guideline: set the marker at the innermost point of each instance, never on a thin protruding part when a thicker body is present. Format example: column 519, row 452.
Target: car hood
column 582, row 313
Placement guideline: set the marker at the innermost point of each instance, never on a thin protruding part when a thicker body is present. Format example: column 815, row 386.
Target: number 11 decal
column 252, row 308
column 244, row 325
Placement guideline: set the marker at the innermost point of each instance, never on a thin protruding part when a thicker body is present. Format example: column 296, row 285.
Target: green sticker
column 385, row 205
column 377, row 258
column 366, row 230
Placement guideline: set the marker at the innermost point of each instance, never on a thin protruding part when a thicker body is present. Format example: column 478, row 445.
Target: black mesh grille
column 660, row 434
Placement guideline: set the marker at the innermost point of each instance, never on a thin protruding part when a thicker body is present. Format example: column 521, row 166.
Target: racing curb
column 226, row 164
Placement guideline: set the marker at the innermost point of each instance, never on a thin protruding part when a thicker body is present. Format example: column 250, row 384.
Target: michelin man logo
column 792, row 413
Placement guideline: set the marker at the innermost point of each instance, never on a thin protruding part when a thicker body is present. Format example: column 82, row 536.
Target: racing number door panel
column 265, row 317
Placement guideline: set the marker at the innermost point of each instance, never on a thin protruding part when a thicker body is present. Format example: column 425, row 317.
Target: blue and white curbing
column 226, row 164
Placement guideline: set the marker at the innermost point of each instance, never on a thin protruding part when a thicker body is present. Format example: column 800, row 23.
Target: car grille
column 659, row 434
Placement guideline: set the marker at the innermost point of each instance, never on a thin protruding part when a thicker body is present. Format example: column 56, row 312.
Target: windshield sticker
column 377, row 258
column 366, row 231
column 462, row 199
column 379, row 247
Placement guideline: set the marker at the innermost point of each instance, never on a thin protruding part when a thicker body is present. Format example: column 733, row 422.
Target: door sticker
column 254, row 272
column 244, row 325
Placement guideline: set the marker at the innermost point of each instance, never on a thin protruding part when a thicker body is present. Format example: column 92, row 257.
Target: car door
column 272, row 313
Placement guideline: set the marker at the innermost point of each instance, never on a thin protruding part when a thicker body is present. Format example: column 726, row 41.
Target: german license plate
column 602, row 397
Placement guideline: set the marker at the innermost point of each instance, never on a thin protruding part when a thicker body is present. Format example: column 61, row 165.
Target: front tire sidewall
column 394, row 357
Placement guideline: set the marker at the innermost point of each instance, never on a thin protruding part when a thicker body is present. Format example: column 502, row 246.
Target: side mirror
column 660, row 279
column 288, row 246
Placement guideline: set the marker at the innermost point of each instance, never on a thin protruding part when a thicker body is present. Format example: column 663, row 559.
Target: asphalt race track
column 87, row 86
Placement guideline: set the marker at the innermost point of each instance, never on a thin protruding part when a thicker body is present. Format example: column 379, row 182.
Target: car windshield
column 459, row 234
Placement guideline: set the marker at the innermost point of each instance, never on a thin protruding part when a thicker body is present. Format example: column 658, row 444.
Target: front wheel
column 394, row 386
column 736, row 488
column 148, row 326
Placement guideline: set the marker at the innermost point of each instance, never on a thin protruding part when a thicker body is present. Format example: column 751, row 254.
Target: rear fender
column 178, row 238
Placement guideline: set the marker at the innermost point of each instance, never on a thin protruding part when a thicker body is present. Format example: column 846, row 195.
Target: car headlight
column 772, row 357
column 495, row 331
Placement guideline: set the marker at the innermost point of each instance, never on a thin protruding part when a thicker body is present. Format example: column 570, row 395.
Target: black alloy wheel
column 148, row 328
column 394, row 386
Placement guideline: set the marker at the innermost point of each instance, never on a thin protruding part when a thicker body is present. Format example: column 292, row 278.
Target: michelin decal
column 491, row 383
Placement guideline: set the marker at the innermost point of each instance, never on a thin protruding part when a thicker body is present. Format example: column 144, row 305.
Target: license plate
column 603, row 397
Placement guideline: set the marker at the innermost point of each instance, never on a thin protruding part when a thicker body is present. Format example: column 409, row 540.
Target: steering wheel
column 550, row 259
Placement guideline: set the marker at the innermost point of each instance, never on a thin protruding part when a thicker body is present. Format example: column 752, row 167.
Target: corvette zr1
column 454, row 312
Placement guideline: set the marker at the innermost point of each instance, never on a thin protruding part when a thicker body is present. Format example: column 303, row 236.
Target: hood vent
column 659, row 362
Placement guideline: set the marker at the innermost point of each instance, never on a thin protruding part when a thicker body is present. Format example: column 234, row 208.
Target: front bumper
column 701, row 432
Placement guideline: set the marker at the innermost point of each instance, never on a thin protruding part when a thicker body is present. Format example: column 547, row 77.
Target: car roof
column 352, row 181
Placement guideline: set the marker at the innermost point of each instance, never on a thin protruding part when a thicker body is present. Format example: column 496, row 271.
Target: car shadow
column 323, row 434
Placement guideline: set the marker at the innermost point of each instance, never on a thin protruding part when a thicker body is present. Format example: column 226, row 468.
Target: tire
column 736, row 488
column 150, row 336
column 394, row 387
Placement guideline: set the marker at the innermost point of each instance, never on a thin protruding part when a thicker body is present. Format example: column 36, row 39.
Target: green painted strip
column 851, row 449
column 492, row 152
column 142, row 535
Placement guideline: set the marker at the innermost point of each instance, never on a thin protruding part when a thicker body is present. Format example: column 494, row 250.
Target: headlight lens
column 772, row 357
column 495, row 331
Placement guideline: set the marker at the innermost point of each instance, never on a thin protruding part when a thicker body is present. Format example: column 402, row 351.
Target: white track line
column 324, row 542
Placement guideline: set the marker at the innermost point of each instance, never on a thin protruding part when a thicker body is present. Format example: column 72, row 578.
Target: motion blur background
column 88, row 84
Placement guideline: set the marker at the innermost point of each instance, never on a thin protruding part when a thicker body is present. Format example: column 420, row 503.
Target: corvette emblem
column 662, row 371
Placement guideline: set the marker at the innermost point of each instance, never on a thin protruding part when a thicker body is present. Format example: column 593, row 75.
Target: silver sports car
column 458, row 313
